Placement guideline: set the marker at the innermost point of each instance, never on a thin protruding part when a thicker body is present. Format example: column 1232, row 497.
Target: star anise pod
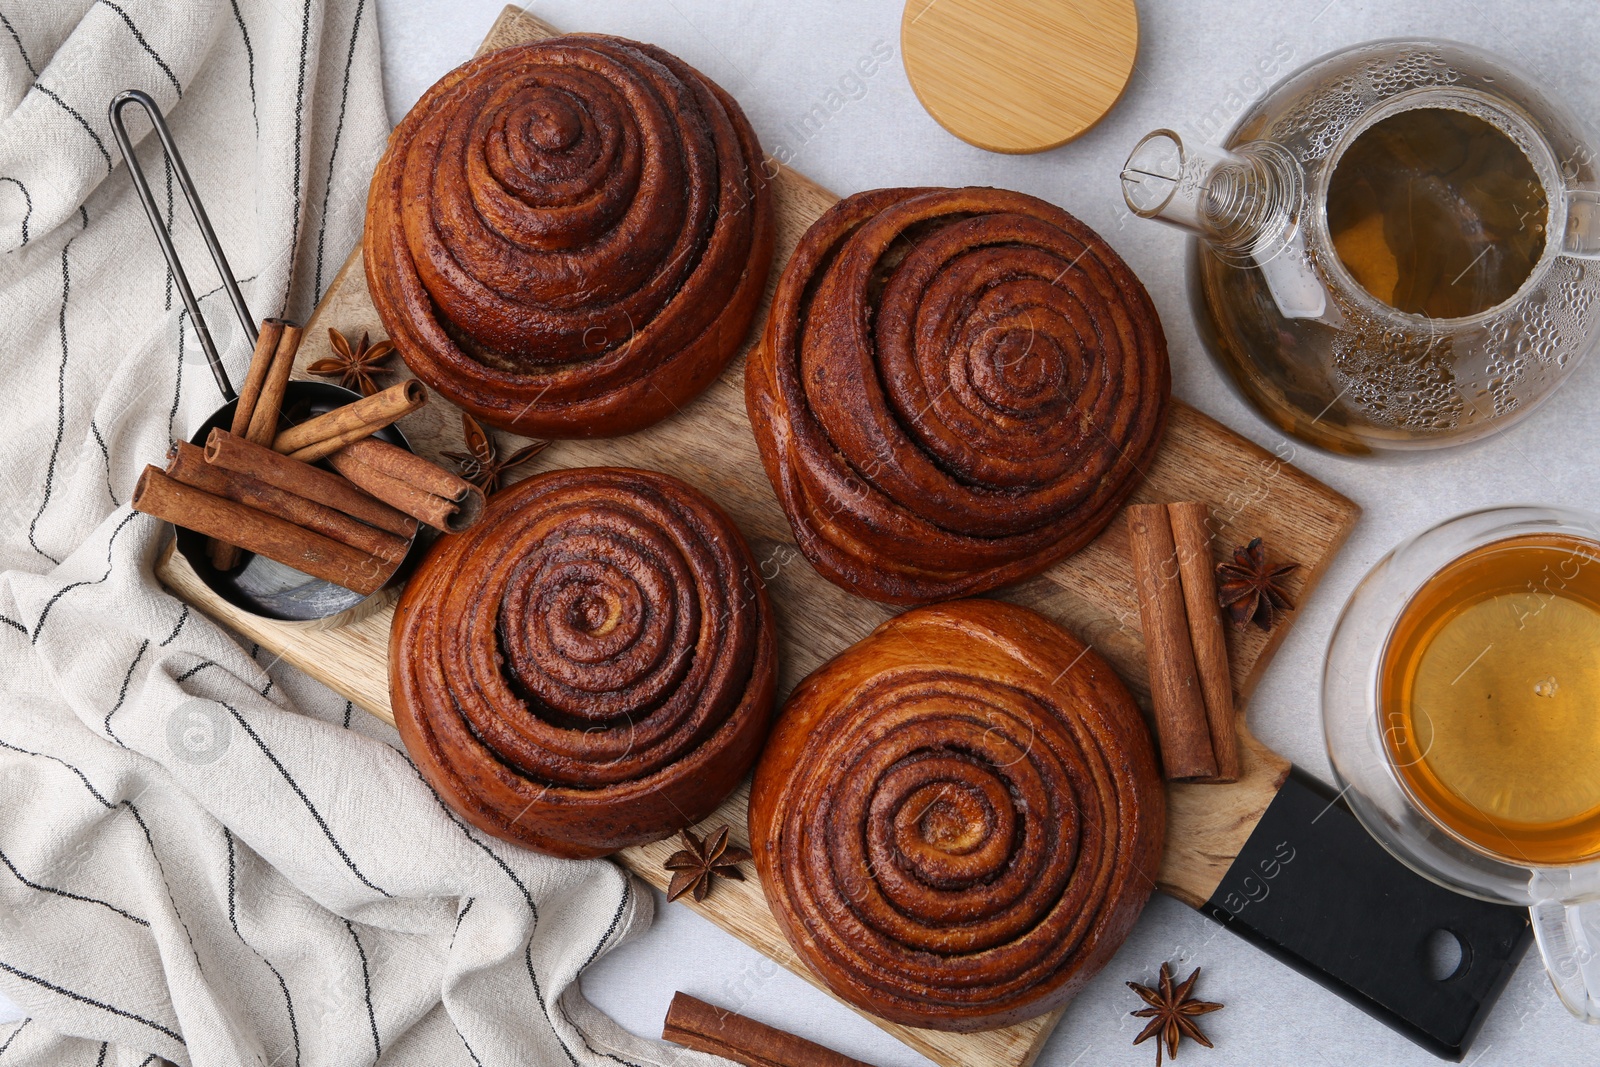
column 1171, row 1013
column 1251, row 590
column 697, row 866
column 482, row 464
column 354, row 367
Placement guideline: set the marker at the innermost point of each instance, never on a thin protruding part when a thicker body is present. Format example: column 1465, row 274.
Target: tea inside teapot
column 1437, row 212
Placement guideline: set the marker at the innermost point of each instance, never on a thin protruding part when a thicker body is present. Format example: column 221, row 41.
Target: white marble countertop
column 779, row 59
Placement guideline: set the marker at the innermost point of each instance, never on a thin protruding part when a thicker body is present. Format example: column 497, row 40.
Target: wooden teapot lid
column 1019, row 75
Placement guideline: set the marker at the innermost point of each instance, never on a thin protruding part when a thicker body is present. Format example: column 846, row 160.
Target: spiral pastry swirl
column 958, row 819
column 591, row 666
column 955, row 389
column 570, row 238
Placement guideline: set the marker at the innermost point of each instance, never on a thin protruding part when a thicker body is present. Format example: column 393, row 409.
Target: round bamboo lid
column 1019, row 75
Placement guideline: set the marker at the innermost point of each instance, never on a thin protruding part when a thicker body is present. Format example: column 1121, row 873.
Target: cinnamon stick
column 437, row 511
column 266, row 535
column 260, row 363
column 224, row 556
column 410, row 467
column 232, row 453
column 264, row 419
column 187, row 464
column 705, row 1027
column 1192, row 536
column 331, row 431
column 1182, row 728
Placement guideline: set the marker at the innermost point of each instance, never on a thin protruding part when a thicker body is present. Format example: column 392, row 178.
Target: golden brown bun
column 591, row 666
column 956, row 388
column 570, row 238
column 957, row 820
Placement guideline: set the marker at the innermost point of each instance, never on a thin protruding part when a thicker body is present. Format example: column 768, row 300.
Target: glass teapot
column 1394, row 248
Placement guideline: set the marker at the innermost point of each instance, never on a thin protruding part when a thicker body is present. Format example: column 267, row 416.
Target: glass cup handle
column 1569, row 941
column 1582, row 239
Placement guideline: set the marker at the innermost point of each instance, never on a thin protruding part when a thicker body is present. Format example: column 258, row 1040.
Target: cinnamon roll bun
column 570, row 238
column 957, row 820
column 591, row 666
column 956, row 388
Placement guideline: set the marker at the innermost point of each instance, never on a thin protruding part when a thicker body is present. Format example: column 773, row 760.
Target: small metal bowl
column 273, row 590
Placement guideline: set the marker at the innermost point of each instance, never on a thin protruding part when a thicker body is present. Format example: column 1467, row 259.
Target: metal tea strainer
column 262, row 586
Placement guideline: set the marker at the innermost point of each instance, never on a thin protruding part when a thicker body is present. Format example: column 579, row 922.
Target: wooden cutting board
column 709, row 444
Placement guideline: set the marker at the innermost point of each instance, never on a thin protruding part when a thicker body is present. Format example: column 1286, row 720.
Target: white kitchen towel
column 205, row 857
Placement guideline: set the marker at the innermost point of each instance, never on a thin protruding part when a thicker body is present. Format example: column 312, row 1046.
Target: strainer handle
column 120, row 130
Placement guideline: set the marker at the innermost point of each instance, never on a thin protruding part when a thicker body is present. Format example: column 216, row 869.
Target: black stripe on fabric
column 105, row 456
column 627, row 895
column 183, row 617
column 148, row 1060
column 590, row 1048
column 338, row 132
column 81, row 776
column 27, row 199
column 299, row 145
column 538, row 992
column 80, row 998
column 322, row 824
column 134, row 811
column 233, row 875
column 68, row 894
column 177, row 378
column 137, row 36
column 127, row 679
column 451, row 815
column 464, row 1044
column 166, row 169
column 23, row 630
column 13, row 32
column 196, row 669
column 64, row 590
column 250, row 64
column 462, row 914
column 366, row 985
column 622, row 906
column 23, row 1025
column 348, row 708
column 101, row 1062
column 233, row 920
column 61, row 388
column 88, row 129
column 165, row 883
column 538, row 996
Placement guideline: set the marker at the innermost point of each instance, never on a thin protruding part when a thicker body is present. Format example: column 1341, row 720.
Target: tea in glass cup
column 1461, row 706
column 1490, row 690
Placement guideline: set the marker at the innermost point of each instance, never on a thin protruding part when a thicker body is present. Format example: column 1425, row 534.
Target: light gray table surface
column 1195, row 56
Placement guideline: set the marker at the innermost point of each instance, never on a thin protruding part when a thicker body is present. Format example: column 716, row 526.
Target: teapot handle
column 1294, row 284
column 1581, row 240
column 1569, row 941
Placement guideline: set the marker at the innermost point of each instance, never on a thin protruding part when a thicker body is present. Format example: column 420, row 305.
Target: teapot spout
column 1245, row 202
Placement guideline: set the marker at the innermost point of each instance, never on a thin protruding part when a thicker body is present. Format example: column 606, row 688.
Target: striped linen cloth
column 206, row 858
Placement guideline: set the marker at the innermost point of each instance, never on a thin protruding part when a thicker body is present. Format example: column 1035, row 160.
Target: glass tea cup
column 1455, row 704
